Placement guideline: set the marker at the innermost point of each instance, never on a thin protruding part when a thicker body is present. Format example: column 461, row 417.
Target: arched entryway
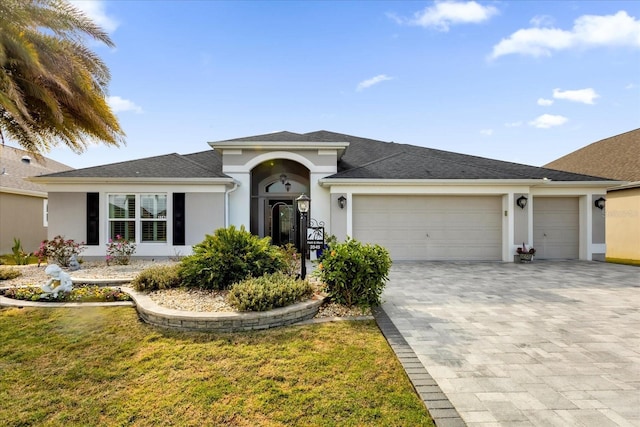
column 275, row 185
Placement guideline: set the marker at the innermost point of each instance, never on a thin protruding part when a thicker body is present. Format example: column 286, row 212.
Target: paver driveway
column 546, row 343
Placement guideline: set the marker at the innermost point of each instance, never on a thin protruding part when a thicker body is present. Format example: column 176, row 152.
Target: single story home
column 23, row 204
column 420, row 203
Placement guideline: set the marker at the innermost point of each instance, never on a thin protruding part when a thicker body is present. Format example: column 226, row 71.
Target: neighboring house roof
column 617, row 157
column 17, row 164
column 363, row 159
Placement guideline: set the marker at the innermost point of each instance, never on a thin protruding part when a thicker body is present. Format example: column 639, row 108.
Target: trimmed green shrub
column 268, row 292
column 9, row 273
column 157, row 277
column 354, row 273
column 229, row 256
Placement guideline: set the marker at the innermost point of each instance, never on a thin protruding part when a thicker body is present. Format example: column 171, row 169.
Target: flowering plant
column 119, row 250
column 59, row 250
column 524, row 250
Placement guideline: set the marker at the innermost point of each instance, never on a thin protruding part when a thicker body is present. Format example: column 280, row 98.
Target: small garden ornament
column 59, row 282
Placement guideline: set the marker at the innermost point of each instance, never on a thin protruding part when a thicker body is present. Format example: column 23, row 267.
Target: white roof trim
column 329, row 182
column 129, row 180
column 32, row 193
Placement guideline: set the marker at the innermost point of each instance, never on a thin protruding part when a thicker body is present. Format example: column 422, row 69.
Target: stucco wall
column 623, row 225
column 598, row 222
column 520, row 222
column 338, row 218
column 21, row 217
column 68, row 216
column 204, row 214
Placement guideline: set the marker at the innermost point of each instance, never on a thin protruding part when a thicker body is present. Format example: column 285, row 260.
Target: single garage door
column 431, row 227
column 556, row 227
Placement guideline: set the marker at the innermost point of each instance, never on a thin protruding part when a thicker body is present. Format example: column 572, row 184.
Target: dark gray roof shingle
column 197, row 165
column 363, row 159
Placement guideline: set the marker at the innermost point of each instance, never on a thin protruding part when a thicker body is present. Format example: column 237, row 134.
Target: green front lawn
column 103, row 366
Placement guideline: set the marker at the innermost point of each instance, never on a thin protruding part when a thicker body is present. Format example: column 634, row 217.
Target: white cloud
column 95, row 10
column 588, row 31
column 487, row 132
column 586, row 96
column 119, row 104
column 372, row 81
column 631, row 86
column 542, row 21
column 443, row 14
column 513, row 124
column 547, row 121
column 545, row 102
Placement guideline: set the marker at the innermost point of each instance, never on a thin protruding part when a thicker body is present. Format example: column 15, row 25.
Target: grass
column 102, row 366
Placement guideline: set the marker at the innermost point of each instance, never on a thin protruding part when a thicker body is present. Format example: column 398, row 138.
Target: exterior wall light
column 599, row 203
column 287, row 185
column 304, row 203
column 342, row 201
column 522, row 202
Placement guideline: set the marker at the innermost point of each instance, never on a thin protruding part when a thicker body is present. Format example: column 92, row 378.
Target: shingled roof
column 17, row 164
column 368, row 158
column 363, row 159
column 617, row 157
column 205, row 164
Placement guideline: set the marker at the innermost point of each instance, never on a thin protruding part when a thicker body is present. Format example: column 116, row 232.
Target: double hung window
column 138, row 217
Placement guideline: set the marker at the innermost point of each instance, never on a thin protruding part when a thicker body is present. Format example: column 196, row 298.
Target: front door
column 281, row 221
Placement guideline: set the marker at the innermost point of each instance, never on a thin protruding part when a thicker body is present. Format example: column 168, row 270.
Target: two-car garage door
column 431, row 227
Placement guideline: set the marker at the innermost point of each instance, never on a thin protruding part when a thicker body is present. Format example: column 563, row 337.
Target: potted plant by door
column 526, row 255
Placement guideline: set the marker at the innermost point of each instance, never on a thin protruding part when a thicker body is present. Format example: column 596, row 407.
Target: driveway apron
column 539, row 344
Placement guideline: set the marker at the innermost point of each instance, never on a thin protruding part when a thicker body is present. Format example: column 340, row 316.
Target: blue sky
column 523, row 81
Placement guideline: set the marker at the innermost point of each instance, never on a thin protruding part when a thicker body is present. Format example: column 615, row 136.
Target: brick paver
column 546, row 343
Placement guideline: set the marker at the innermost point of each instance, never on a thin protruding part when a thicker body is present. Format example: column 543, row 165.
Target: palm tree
column 52, row 87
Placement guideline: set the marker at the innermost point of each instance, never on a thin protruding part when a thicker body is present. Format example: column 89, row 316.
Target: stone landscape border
column 180, row 320
column 157, row 315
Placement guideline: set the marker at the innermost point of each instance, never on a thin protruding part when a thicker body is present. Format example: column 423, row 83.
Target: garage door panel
column 556, row 227
column 431, row 227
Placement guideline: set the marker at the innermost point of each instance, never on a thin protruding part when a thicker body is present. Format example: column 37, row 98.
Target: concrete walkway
column 540, row 344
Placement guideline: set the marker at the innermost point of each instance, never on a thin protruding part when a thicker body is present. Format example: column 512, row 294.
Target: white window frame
column 45, row 212
column 137, row 217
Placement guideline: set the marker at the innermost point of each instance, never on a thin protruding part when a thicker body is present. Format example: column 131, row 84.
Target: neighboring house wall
column 623, row 224
column 22, row 202
column 21, row 217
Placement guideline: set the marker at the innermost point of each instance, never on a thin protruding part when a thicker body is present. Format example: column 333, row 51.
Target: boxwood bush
column 9, row 273
column 354, row 273
column 268, row 292
column 157, row 277
column 229, row 256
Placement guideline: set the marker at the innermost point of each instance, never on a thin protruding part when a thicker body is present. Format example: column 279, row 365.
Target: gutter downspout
column 236, row 184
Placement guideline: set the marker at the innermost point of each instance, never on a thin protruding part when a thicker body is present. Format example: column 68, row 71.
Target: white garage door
column 556, row 227
column 431, row 227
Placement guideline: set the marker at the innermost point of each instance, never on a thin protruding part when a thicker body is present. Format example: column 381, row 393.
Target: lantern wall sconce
column 521, row 202
column 342, row 202
column 599, row 203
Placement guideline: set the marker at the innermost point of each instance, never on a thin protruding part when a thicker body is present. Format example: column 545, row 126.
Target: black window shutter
column 93, row 219
column 178, row 219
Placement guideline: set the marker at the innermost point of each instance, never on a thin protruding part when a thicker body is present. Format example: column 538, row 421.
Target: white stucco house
column 420, row 203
